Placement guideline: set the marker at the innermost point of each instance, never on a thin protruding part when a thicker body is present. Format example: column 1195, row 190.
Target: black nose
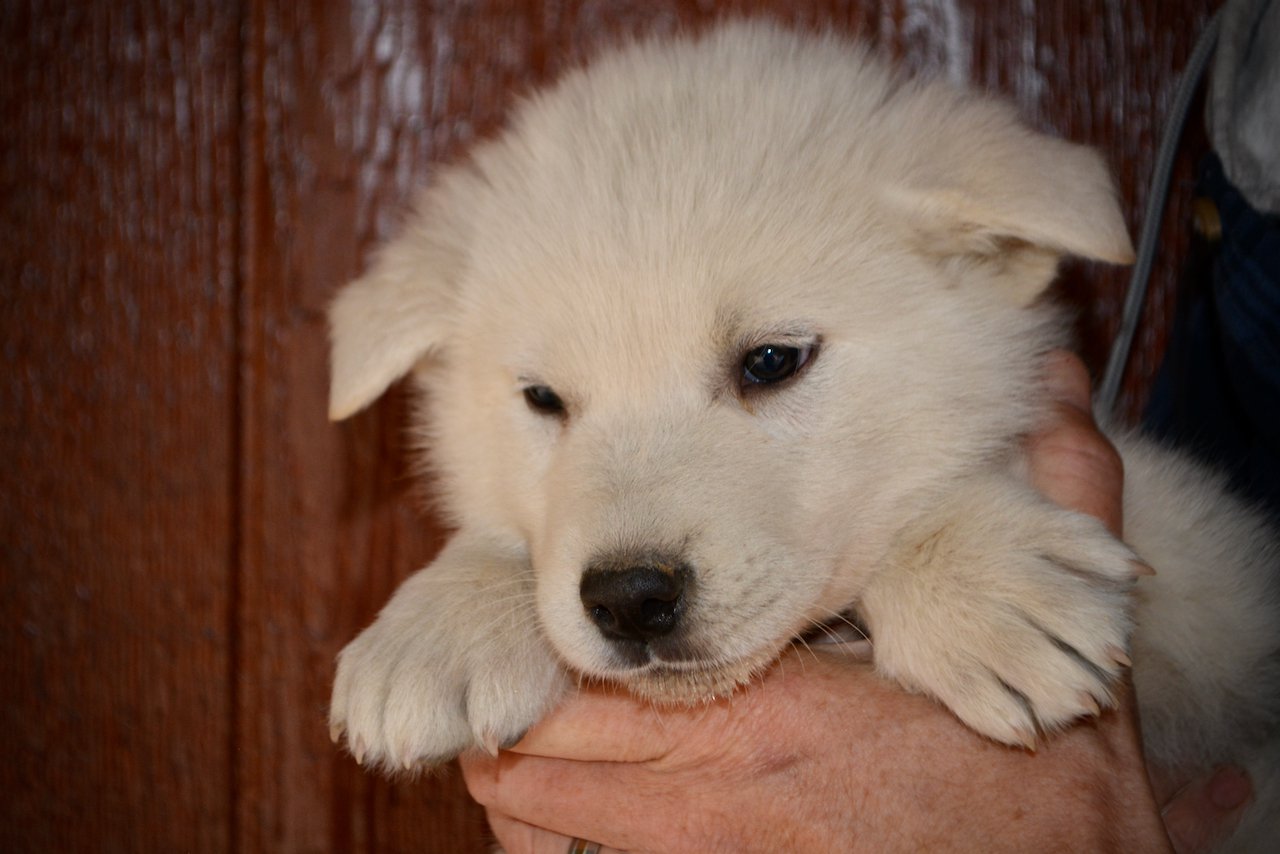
column 634, row 603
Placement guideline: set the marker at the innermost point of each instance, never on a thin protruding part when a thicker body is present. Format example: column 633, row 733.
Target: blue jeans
column 1218, row 391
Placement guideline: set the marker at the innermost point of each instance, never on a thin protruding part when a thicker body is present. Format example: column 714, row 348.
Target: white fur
column 640, row 227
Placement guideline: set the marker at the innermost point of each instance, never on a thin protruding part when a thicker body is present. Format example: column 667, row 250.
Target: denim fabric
column 1218, row 392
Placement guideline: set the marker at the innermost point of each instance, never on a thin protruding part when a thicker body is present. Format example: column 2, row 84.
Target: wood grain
column 185, row 542
column 117, row 233
column 327, row 530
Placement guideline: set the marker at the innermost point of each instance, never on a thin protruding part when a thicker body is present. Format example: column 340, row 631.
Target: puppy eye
column 773, row 363
column 543, row 400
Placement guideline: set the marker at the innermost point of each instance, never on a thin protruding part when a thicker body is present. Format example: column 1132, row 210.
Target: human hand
column 823, row 754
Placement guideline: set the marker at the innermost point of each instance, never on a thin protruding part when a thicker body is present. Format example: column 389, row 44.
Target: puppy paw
column 1015, row 616
column 455, row 661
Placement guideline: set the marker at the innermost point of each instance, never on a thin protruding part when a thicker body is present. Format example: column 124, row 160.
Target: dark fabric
column 1218, row 392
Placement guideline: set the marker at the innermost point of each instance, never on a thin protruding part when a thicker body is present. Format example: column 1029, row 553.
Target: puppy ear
column 387, row 320
column 1010, row 203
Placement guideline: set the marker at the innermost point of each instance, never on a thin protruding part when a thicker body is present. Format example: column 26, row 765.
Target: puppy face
column 637, row 428
column 699, row 333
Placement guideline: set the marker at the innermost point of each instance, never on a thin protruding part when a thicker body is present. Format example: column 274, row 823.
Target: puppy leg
column 1010, row 610
column 455, row 660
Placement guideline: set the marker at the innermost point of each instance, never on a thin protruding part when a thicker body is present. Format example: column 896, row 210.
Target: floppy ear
column 381, row 324
column 1012, row 202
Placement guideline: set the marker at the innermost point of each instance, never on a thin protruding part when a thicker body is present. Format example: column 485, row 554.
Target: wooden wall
column 185, row 542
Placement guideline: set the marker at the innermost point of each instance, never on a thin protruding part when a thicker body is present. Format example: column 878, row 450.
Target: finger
column 516, row 837
column 564, row 797
column 1204, row 813
column 1070, row 461
column 611, row 725
column 602, row 724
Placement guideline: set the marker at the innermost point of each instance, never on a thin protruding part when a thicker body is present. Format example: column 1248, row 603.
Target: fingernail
column 1229, row 788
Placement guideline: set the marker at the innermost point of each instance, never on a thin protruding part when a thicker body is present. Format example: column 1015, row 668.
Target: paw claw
column 358, row 750
column 1119, row 656
column 1141, row 567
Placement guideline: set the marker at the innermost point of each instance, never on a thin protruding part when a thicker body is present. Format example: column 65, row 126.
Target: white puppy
column 724, row 338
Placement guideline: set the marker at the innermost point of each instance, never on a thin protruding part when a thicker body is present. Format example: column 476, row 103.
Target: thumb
column 604, row 723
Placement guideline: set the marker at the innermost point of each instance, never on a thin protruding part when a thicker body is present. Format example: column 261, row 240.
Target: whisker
column 807, row 648
column 840, row 617
column 825, row 629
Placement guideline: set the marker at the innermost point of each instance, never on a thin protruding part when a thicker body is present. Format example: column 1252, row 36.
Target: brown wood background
column 185, row 543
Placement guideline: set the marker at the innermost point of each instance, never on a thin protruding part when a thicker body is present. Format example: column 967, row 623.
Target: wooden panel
column 342, row 118
column 117, row 207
